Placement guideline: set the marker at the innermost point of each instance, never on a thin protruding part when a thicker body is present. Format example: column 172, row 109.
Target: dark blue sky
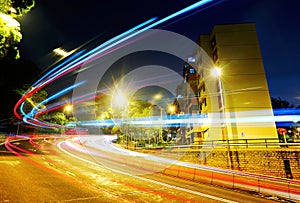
column 55, row 23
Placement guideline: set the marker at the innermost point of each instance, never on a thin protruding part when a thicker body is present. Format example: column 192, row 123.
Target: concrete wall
column 235, row 50
column 271, row 162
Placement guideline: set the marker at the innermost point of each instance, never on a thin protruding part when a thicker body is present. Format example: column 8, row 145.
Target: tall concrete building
column 242, row 93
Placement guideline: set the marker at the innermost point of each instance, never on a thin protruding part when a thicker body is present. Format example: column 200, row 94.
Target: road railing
column 262, row 184
column 272, row 186
column 239, row 143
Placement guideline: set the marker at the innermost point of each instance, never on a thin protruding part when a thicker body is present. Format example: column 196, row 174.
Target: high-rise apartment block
column 240, row 90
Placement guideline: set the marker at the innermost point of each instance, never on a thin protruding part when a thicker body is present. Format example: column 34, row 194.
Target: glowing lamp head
column 216, row 72
column 157, row 97
column 172, row 108
column 119, row 100
column 68, row 108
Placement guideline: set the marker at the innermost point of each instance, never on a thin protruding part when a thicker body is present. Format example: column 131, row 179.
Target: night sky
column 69, row 24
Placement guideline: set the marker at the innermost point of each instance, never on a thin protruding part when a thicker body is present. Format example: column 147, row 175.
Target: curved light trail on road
column 118, row 157
column 101, row 152
column 75, row 61
column 106, row 145
column 101, row 146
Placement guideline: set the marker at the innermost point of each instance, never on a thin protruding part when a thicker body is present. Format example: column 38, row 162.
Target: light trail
column 59, row 72
column 30, row 117
column 216, row 176
column 69, row 59
column 247, row 118
column 138, row 177
column 82, row 58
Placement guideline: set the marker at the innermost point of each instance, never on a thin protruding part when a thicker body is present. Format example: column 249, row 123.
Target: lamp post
column 68, row 108
column 171, row 111
column 120, row 106
column 156, row 99
column 217, row 73
column 160, row 133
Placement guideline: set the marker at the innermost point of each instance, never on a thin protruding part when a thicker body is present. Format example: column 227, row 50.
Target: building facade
column 240, row 92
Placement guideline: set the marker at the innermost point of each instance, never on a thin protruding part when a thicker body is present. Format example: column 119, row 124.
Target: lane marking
column 149, row 180
column 11, row 163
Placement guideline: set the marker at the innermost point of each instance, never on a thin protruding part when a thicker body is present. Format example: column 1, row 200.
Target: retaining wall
column 284, row 163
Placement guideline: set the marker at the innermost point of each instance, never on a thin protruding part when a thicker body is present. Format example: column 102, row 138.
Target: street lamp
column 119, row 104
column 68, row 108
column 172, row 109
column 156, row 99
column 119, row 100
column 216, row 72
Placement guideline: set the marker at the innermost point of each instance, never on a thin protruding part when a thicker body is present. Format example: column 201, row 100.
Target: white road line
column 149, row 180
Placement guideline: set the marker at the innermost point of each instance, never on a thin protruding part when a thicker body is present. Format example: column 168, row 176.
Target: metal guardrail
column 277, row 187
column 238, row 143
column 262, row 184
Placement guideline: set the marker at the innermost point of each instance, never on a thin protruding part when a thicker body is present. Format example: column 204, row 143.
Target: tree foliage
column 10, row 37
column 278, row 103
column 34, row 100
column 10, row 32
column 139, row 108
column 13, row 75
column 56, row 118
column 22, row 6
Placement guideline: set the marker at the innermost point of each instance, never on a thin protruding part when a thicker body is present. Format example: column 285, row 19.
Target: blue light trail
column 71, row 63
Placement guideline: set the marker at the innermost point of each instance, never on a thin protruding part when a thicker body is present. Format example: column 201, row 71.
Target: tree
column 10, row 37
column 14, row 74
column 10, row 32
column 22, row 6
column 278, row 103
column 32, row 101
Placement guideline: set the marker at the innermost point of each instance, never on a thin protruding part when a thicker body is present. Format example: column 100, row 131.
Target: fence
column 241, row 143
column 279, row 187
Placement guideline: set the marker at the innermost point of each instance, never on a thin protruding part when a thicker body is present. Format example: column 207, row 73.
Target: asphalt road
column 51, row 175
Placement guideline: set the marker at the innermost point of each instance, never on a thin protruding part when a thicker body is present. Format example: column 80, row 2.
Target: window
column 192, row 70
column 191, row 59
column 213, row 42
column 215, row 55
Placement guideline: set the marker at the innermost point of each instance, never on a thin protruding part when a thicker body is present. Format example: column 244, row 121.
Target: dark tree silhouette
column 14, row 75
column 278, row 103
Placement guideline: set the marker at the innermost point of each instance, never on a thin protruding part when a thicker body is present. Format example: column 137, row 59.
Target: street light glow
column 120, row 100
column 216, row 72
column 172, row 108
column 157, row 97
column 68, row 108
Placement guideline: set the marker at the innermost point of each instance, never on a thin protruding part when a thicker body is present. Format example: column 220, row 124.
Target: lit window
column 215, row 55
column 213, row 42
column 191, row 59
